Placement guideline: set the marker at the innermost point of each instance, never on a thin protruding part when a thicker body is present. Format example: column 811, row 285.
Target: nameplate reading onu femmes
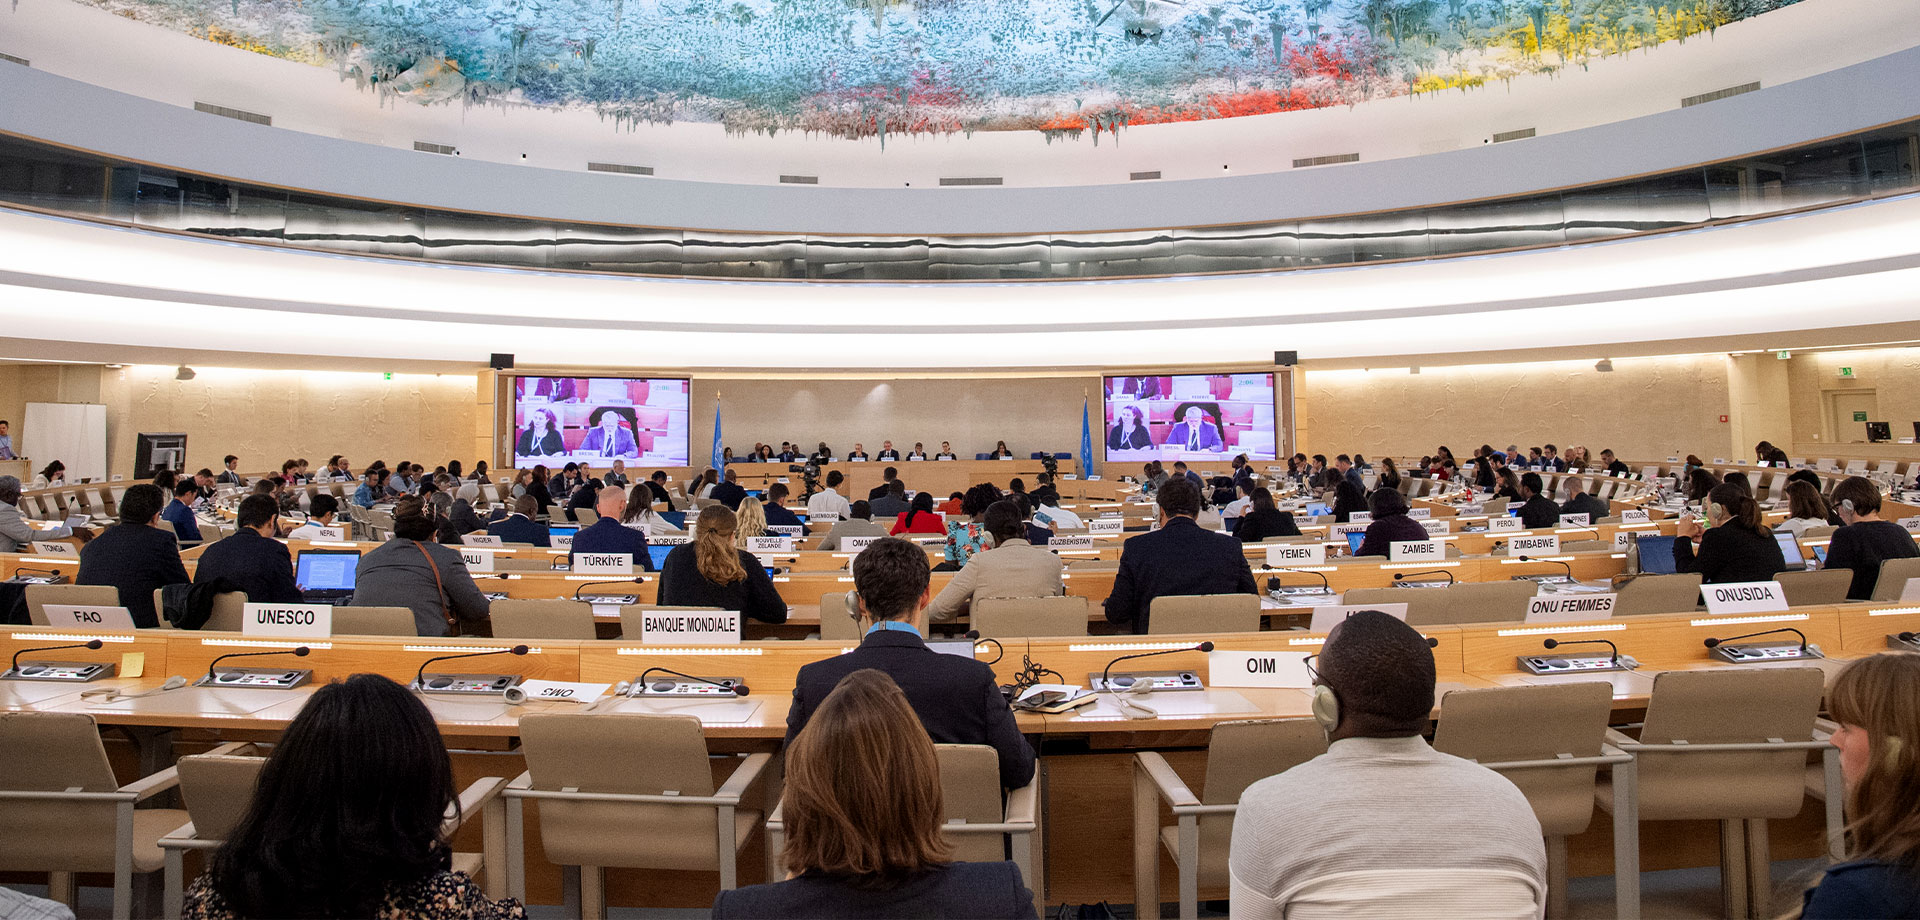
column 690, row 627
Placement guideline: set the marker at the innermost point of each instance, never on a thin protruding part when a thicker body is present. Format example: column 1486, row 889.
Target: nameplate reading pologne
column 477, row 560
column 690, row 627
column 1533, row 545
column 1570, row 609
column 1286, row 670
column 1636, row 517
column 482, row 539
column 603, row 563
column 1505, row 522
column 67, row 549
column 1106, row 525
column 1437, row 526
column 1419, row 513
column 562, row 690
column 1287, row 555
column 1326, row 617
column 72, row 617
column 304, row 621
column 856, row 544
column 1744, row 597
column 771, row 544
column 1574, row 520
column 1416, row 551
column 1360, row 517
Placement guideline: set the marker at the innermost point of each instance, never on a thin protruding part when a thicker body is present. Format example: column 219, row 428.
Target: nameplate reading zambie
column 1415, row 551
column 1744, row 597
column 603, row 563
column 305, row 621
column 690, row 627
column 1295, row 554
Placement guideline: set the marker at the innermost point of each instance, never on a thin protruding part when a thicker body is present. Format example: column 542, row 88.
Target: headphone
column 1717, row 510
column 852, row 600
column 1326, row 707
column 1846, row 504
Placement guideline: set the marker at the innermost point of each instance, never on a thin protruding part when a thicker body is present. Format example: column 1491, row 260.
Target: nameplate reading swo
column 1636, row 517
column 559, row 691
column 55, row 549
column 1744, row 597
column 674, row 627
column 104, row 618
column 1106, row 525
column 1291, row 554
column 1570, row 609
column 306, row 621
column 779, row 544
column 1415, row 551
column 477, row 560
column 1286, row 670
column 1505, row 522
column 603, row 563
column 481, row 539
column 1533, row 545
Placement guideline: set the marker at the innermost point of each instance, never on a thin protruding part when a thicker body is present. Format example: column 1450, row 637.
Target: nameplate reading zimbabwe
column 1545, row 544
column 690, row 627
column 304, row 621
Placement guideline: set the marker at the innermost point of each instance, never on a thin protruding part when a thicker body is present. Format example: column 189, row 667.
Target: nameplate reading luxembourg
column 477, row 560
column 1545, row 544
column 1070, row 541
column 55, row 549
column 1415, row 551
column 1285, row 670
column 1639, row 516
column 1575, row 520
column 83, row 617
column 1570, row 609
column 1437, row 526
column 1744, row 597
column 1106, row 525
column 304, row 621
column 1287, row 555
column 690, row 627
column 823, row 517
column 482, row 539
column 603, row 563
column 1505, row 522
column 779, row 544
column 856, row 545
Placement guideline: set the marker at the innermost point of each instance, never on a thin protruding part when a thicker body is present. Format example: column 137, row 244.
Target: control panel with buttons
column 78, row 672
column 677, row 687
column 1568, row 664
column 472, row 684
column 256, row 678
column 1742, row 654
column 1147, row 680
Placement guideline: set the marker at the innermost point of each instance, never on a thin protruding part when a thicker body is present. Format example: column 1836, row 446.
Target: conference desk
column 941, row 477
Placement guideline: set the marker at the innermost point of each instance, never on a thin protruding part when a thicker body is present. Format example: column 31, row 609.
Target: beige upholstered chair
column 1204, row 613
column 835, row 624
column 1021, row 617
column 627, row 790
column 1425, row 606
column 1728, row 745
column 630, row 626
column 62, row 811
column 1658, row 594
column 1238, row 754
column 1824, row 586
column 1484, row 602
column 585, row 517
column 1550, row 741
column 505, row 563
column 542, row 619
column 374, row 621
column 1893, row 578
column 39, row 596
column 229, row 612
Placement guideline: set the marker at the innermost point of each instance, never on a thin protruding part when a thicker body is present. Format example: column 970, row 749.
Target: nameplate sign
column 83, row 617
column 1360, row 517
column 1325, row 618
column 1288, row 555
column 1623, row 537
column 1419, row 513
column 823, row 517
column 667, row 540
column 1533, row 545
column 1908, row 593
column 1744, row 597
column 71, row 551
column 856, row 545
column 1570, row 609
column 1070, row 541
column 1415, row 551
column 477, row 560
column 562, row 541
column 603, row 563
column 317, row 532
column 773, row 544
column 481, row 539
column 1437, row 526
column 304, row 621
column 560, row 691
column 1285, row 670
column 1912, row 524
column 1636, row 517
column 690, row 627
column 786, row 530
column 1505, row 522
column 1340, row 531
column 1069, row 476
column 1574, row 520
column 1106, row 525
column 1472, row 508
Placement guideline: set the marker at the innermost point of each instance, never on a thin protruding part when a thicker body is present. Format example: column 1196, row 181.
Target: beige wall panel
column 1893, row 374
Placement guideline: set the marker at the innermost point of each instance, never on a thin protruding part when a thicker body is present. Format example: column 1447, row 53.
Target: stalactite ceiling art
column 871, row 68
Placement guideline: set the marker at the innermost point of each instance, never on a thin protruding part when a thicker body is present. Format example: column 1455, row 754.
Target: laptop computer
column 1318, row 509
column 1354, row 539
column 677, row 518
column 1790, row 549
column 563, row 530
column 1820, row 553
column 657, row 552
column 1656, row 554
column 325, row 576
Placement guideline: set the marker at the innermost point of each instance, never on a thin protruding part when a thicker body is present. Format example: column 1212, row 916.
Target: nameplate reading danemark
column 690, row 627
column 1744, row 597
column 304, row 621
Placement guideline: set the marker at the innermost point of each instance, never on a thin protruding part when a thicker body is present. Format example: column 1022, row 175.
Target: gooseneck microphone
column 1714, row 643
column 95, row 644
column 1399, row 577
column 1556, row 643
column 1907, row 637
column 30, row 570
column 594, row 584
column 1108, row 683
column 419, row 677
column 299, row 652
column 1273, row 581
column 1550, row 562
column 1000, row 651
column 664, row 686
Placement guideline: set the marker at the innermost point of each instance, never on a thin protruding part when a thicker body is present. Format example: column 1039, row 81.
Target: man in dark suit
column 252, row 560
column 1538, row 511
column 1178, row 559
column 891, row 503
column 134, row 555
column 1582, row 503
column 1045, row 494
column 520, row 527
column 608, row 535
column 886, row 476
column 778, row 515
column 728, row 491
column 887, row 452
column 957, row 699
column 657, row 484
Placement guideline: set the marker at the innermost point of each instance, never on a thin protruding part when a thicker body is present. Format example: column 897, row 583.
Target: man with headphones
column 957, row 698
column 1381, row 819
column 1865, row 541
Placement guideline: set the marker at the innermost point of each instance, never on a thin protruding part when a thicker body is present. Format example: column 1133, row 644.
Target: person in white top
column 1805, row 508
column 1240, row 506
column 1057, row 517
column 1382, row 825
column 829, row 501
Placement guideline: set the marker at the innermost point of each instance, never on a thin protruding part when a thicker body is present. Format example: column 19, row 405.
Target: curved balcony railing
column 1870, row 164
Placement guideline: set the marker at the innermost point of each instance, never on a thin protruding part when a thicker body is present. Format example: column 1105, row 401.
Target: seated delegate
column 1737, row 547
column 1880, row 875
column 1390, row 525
column 1264, row 519
column 919, row 518
column 609, row 534
column 1178, row 559
column 858, row 524
column 519, row 525
column 251, row 560
column 1014, row 567
column 134, row 556
column 712, row 572
column 414, row 572
column 1865, row 540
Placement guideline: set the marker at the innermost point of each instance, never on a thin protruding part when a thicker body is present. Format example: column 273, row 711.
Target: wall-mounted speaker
column 1286, row 358
column 501, row 362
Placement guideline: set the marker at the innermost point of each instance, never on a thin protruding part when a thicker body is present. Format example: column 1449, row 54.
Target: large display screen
column 1189, row 417
column 597, row 420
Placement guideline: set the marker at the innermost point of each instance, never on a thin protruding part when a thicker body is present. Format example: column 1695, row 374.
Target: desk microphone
column 30, row 570
column 1907, row 637
column 1000, row 651
column 1597, row 534
column 1551, row 562
column 1556, row 643
column 1126, row 681
column 1711, row 643
column 636, row 580
column 664, row 686
column 96, row 644
column 1273, row 581
column 1401, row 577
column 419, row 677
column 299, row 652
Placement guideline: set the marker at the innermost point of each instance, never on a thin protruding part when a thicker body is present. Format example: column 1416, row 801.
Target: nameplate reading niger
column 690, row 627
column 304, row 621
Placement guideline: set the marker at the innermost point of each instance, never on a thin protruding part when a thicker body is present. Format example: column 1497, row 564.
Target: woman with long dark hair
column 1872, row 700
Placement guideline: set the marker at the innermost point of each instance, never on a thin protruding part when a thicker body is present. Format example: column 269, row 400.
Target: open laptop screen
column 1790, row 549
column 326, row 569
column 1656, row 554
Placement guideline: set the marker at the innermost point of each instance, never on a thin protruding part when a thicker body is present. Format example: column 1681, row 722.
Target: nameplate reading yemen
column 304, row 621
column 690, row 627
column 603, row 563
column 1415, row 551
column 1744, row 597
column 1570, row 609
column 1288, row 555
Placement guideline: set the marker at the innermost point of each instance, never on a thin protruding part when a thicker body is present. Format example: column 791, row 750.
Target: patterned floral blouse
column 445, row 896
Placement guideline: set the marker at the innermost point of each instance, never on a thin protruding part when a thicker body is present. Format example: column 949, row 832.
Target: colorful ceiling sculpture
column 865, row 68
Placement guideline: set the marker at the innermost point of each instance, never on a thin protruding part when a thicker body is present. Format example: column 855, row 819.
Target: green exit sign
column 1846, row 372
column 1859, row 416
column 390, row 376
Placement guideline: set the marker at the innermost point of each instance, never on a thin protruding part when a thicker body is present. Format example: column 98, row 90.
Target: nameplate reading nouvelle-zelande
column 1571, row 609
column 770, row 544
column 292, row 621
column 1744, row 597
column 603, row 563
column 1283, row 670
column 690, row 627
column 1289, row 555
column 1540, row 544
column 1416, row 551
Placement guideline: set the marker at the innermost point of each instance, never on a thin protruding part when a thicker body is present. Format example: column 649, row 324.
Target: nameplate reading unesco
column 1286, row 670
column 303, row 621
column 1286, row 555
column 1570, row 609
column 55, row 549
column 1416, row 551
column 603, row 563
column 1533, row 545
column 690, row 627
column 1744, row 597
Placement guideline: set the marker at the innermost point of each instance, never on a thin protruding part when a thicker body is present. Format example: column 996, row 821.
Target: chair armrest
column 1166, row 782
column 743, row 776
column 236, row 749
column 1823, row 729
column 1023, row 803
column 473, row 799
column 148, row 787
column 778, row 818
column 1618, row 739
column 519, row 784
column 180, row 838
column 1726, row 748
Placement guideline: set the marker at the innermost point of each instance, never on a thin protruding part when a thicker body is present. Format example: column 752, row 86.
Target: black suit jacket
column 1178, row 559
column 729, row 494
column 517, row 529
column 260, row 566
column 991, row 891
column 136, row 559
column 957, row 700
column 1538, row 512
column 1586, row 504
column 889, row 455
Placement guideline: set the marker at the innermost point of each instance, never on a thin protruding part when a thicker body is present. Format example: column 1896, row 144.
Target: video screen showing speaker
column 1189, row 417
column 597, row 420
